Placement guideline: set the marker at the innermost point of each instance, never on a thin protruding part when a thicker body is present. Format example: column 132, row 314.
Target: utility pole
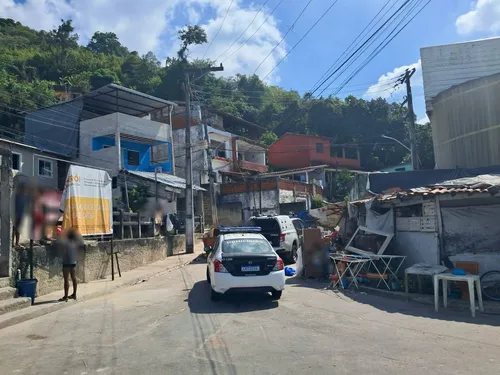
column 189, row 220
column 411, row 117
column 211, row 179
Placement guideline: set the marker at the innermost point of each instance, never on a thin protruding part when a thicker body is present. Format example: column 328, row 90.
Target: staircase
column 8, row 300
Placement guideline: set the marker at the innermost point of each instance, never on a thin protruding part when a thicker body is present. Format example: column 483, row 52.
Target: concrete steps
column 4, row 282
column 8, row 300
column 14, row 304
column 7, row 293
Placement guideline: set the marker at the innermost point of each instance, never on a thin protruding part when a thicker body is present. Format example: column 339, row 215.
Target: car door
column 212, row 255
column 299, row 227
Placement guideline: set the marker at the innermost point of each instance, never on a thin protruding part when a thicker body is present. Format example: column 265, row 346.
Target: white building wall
column 449, row 65
column 106, row 125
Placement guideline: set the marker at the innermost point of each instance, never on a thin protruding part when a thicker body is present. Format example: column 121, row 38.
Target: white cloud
column 149, row 25
column 384, row 88
column 423, row 120
column 484, row 17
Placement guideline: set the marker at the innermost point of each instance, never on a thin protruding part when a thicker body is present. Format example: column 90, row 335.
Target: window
column 246, row 246
column 17, row 161
column 319, row 148
column 45, row 168
column 133, row 157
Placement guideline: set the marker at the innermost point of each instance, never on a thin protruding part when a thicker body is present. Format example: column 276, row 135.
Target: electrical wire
column 244, row 31
column 255, row 32
column 218, row 31
column 284, row 36
column 354, row 43
column 301, row 39
column 353, row 54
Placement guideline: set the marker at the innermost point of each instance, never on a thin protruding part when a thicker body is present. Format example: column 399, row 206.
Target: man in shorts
column 71, row 243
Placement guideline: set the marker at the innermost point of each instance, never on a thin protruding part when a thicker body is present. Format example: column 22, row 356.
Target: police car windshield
column 246, row 246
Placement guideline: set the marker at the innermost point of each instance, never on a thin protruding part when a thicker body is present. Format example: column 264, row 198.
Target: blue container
column 27, row 288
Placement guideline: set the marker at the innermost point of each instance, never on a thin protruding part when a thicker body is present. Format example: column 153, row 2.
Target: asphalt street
column 168, row 325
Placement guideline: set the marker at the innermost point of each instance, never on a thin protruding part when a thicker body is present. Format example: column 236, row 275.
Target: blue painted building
column 139, row 156
column 144, row 144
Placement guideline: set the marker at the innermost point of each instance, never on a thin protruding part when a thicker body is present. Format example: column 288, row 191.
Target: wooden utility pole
column 189, row 220
column 411, row 117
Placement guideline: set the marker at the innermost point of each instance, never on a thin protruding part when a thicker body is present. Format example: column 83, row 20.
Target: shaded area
column 199, row 301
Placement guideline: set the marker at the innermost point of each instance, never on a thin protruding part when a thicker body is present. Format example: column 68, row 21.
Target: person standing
column 20, row 202
column 71, row 242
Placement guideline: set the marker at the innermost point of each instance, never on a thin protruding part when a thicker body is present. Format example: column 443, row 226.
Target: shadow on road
column 199, row 301
column 307, row 283
column 397, row 306
column 200, row 259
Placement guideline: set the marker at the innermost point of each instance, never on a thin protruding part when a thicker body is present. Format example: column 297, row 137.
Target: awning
column 115, row 98
column 165, row 179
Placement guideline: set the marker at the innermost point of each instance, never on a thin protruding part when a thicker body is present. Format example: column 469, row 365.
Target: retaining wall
column 94, row 263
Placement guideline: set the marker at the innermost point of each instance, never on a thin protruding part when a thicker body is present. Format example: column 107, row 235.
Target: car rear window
column 246, row 246
column 267, row 225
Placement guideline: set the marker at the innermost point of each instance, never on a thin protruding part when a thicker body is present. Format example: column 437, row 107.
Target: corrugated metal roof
column 293, row 171
column 166, row 179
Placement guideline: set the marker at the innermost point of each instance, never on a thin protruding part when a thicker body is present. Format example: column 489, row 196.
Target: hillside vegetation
column 31, row 62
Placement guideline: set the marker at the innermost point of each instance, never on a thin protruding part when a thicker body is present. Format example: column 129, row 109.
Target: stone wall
column 94, row 262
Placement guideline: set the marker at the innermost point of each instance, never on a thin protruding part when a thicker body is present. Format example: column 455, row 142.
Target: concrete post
column 6, row 187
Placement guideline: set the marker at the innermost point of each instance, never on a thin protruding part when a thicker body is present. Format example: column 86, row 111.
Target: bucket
column 27, row 288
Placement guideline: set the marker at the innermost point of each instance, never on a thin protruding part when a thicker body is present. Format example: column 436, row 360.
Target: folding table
column 354, row 264
column 386, row 260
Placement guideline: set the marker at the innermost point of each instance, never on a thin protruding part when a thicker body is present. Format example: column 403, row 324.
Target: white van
column 281, row 233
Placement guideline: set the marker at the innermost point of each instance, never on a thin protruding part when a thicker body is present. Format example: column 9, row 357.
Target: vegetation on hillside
column 31, row 62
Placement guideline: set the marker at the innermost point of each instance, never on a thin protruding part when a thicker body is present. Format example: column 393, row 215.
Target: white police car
column 243, row 260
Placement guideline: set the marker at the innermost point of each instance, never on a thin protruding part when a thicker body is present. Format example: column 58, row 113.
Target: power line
column 359, row 48
column 388, row 38
column 354, row 42
column 284, row 36
column 244, row 31
column 255, row 32
column 218, row 31
column 301, row 39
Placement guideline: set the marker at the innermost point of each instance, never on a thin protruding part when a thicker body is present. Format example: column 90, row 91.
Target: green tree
column 189, row 36
column 107, row 43
column 268, row 138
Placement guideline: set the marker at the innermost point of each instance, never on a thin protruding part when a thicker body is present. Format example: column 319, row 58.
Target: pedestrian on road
column 71, row 242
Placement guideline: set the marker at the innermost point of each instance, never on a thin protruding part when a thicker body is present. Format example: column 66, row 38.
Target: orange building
column 302, row 150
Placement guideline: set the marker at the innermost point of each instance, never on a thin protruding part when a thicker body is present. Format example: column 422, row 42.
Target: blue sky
column 153, row 24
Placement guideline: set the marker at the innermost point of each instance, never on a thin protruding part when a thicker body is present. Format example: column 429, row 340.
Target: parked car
column 241, row 262
column 281, row 234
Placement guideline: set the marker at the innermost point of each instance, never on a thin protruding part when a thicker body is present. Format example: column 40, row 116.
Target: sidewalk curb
column 32, row 314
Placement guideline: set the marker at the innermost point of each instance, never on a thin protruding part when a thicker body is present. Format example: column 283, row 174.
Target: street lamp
column 402, row 144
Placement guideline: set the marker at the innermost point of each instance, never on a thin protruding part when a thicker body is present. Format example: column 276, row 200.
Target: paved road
column 168, row 325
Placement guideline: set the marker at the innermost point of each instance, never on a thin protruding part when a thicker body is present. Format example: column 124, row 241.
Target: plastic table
column 470, row 279
column 422, row 269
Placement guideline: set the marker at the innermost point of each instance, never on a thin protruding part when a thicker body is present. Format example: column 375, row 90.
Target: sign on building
column 87, row 201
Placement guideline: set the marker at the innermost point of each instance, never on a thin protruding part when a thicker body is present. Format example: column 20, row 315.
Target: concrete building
column 301, row 150
column 30, row 164
column 238, row 201
column 230, row 155
column 144, row 144
column 449, row 65
column 465, row 124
